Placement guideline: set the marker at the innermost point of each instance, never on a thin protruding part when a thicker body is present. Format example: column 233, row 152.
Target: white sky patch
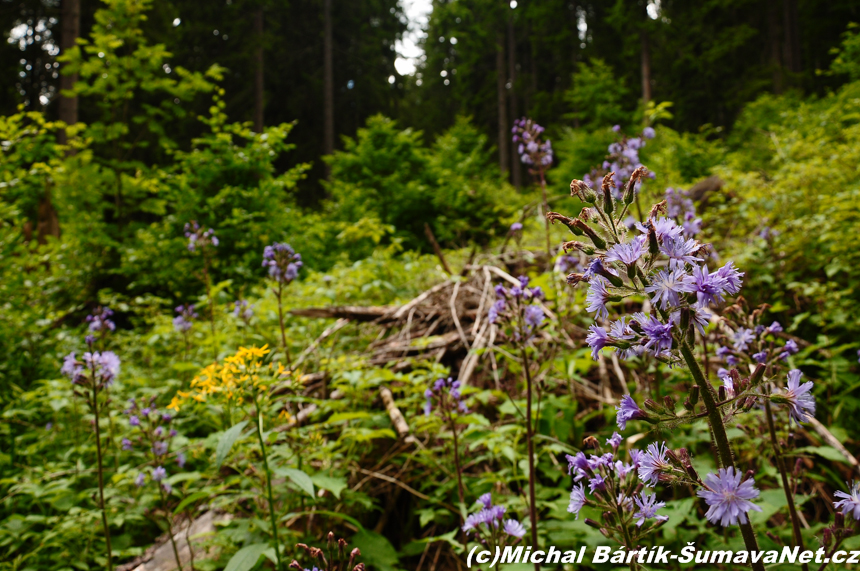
column 409, row 54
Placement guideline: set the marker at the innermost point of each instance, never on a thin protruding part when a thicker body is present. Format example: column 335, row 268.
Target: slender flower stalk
column 445, row 393
column 205, row 241
column 538, row 155
column 283, row 263
column 259, row 423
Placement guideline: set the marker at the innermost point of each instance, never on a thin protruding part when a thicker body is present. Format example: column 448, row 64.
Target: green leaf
column 341, row 416
column 827, row 452
column 191, row 499
column 376, row 551
column 299, row 478
column 226, row 442
column 246, row 558
column 333, row 485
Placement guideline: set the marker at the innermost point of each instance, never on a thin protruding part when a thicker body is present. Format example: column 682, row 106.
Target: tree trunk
column 70, row 26
column 646, row 68
column 773, row 33
column 516, row 168
column 259, row 99
column 328, row 86
column 792, row 36
column 504, row 132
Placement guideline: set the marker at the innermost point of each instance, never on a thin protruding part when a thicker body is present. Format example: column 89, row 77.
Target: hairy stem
column 720, row 437
column 95, row 406
column 530, row 446
column 279, row 293
column 789, row 497
column 460, row 490
column 268, row 483
column 167, row 518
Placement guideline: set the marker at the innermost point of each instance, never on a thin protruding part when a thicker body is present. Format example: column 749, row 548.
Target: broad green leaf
column 827, row 452
column 341, row 416
column 376, row 551
column 332, row 484
column 246, row 558
column 191, row 499
column 299, row 478
column 226, row 442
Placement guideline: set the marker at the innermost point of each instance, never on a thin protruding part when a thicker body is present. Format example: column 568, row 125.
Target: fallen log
column 351, row 312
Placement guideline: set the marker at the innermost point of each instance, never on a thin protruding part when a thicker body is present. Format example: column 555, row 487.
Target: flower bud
column 573, row 279
column 652, row 405
column 749, row 403
column 591, row 523
column 669, row 402
column 582, row 191
column 296, row 565
column 826, row 538
column 330, row 539
column 341, row 548
column 598, row 242
column 574, row 245
column 839, row 520
column 721, row 393
column 629, row 192
column 359, row 567
column 567, row 221
column 685, row 318
column 748, row 475
column 757, row 375
column 653, row 244
column 608, row 518
column 658, row 208
column 605, row 532
column 694, row 394
column 673, row 456
column 608, row 202
column 798, row 468
column 689, row 405
column 691, row 471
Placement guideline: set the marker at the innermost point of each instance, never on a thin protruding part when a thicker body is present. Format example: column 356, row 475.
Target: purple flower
column 648, row 133
column 72, row 368
column 577, row 500
column 180, row 460
column 516, row 227
column 733, row 277
column 595, row 268
column 534, row 316
column 159, row 448
column 742, row 338
column 578, row 466
column 596, row 339
column 184, row 321
column 596, row 483
column 514, row 528
column 133, row 420
column 100, row 320
column 801, row 403
column 486, row 500
column 126, row 444
column 774, row 327
column 850, row 502
column 199, row 238
column 627, row 254
column 615, row 440
column 472, row 521
column 679, row 251
column 653, row 463
column 648, row 506
column 616, row 128
column 658, row 334
column 709, row 287
column 159, row 473
column 728, row 497
column 597, row 297
column 666, row 286
column 760, row 357
column 140, row 480
column 790, row 348
column 495, row 309
column 626, row 411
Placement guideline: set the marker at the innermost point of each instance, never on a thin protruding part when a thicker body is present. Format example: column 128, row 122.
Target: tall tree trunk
column 328, row 86
column 259, row 96
column 646, row 68
column 792, row 36
column 70, row 30
column 516, row 167
column 504, row 132
column 773, row 33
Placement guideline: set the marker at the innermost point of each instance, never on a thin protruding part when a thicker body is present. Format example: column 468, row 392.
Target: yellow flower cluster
column 239, row 378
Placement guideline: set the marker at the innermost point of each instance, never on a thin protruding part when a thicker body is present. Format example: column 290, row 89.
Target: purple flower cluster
column 283, row 262
column 758, row 345
column 798, row 397
column 489, row 526
column 446, row 394
column 849, row 503
column 94, row 369
column 623, row 159
column 243, row 310
column 198, row 238
column 183, row 322
column 532, row 150
column 518, row 302
column 100, row 320
column 155, row 433
column 680, row 207
column 612, row 482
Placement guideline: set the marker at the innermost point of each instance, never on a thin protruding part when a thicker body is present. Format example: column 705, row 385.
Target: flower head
column 577, row 500
column 100, row 320
column 514, row 528
column 615, row 440
column 283, row 262
column 159, row 473
column 534, row 316
column 654, row 463
column 801, row 403
column 597, row 297
column 596, row 339
column 648, row 506
column 667, row 285
column 849, row 503
column 627, row 410
column 729, row 498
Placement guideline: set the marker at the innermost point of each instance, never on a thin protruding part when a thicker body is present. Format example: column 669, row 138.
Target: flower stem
column 530, row 446
column 95, row 406
column 279, row 293
column 789, row 497
column 170, row 526
column 720, row 437
column 460, row 490
column 268, row 482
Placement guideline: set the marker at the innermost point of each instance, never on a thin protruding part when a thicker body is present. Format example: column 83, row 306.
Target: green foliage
column 597, row 97
column 386, row 174
column 847, row 58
